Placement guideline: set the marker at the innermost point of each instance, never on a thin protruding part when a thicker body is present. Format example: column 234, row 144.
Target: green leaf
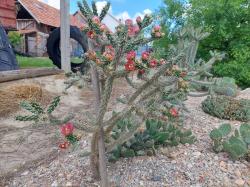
column 28, row 106
column 161, row 137
column 236, row 151
column 27, row 118
column 237, row 141
column 127, row 153
column 141, row 153
column 37, row 107
column 215, row 134
column 225, row 129
column 53, row 104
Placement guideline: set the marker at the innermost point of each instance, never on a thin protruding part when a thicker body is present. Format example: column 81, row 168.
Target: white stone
column 240, row 182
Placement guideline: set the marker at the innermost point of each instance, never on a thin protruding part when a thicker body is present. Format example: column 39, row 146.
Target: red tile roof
column 44, row 13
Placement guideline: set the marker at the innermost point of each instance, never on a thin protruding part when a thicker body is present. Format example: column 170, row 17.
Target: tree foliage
column 228, row 23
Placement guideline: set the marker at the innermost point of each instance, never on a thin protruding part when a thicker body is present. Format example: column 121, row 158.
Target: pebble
column 68, row 184
column 226, row 182
column 216, row 158
column 248, row 182
column 173, row 162
column 197, row 154
column 223, row 166
column 156, row 178
column 237, row 173
column 25, row 173
column 54, row 184
column 240, row 182
column 189, row 165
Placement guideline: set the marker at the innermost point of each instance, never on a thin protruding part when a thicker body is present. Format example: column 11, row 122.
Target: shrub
column 239, row 71
column 235, row 144
column 225, row 107
column 15, row 38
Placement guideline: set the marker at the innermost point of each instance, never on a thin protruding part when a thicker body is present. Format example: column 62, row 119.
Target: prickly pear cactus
column 235, row 144
column 146, row 141
column 229, row 108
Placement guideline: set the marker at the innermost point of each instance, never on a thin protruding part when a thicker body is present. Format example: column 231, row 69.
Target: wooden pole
column 65, row 35
column 6, row 76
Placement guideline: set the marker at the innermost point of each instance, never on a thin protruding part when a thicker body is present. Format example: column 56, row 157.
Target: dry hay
column 11, row 96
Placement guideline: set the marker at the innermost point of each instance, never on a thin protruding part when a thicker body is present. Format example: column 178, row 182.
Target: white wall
column 110, row 22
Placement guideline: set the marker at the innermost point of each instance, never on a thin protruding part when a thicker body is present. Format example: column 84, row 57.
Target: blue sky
column 120, row 8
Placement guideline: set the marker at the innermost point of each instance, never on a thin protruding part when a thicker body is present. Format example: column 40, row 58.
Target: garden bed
column 185, row 165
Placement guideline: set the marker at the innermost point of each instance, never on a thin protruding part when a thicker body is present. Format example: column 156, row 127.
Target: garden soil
column 30, row 155
column 24, row 145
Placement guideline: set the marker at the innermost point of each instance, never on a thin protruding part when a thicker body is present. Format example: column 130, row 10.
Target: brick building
column 8, row 14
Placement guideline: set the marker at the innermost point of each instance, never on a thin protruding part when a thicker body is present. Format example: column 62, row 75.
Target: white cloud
column 125, row 15
column 147, row 11
column 100, row 5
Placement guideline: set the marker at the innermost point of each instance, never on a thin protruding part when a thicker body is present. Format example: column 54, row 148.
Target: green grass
column 33, row 62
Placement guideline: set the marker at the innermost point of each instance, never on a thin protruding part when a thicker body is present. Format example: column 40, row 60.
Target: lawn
column 31, row 62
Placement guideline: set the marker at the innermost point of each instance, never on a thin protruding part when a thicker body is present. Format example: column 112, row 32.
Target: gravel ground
column 183, row 166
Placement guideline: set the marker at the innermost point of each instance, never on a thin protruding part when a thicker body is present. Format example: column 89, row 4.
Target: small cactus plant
column 225, row 86
column 235, row 144
column 42, row 114
column 229, row 108
column 145, row 141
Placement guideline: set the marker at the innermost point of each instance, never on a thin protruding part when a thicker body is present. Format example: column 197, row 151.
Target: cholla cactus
column 42, row 115
column 161, row 88
column 189, row 39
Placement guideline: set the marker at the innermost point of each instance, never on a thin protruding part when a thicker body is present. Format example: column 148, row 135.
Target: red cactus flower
column 91, row 34
column 136, row 29
column 153, row 63
column 96, row 20
column 91, row 55
column 109, row 48
column 163, row 61
column 173, row 112
column 103, row 27
column 157, row 28
column 138, row 19
column 129, row 22
column 131, row 31
column 183, row 74
column 98, row 61
column 158, row 35
column 108, row 56
column 130, row 66
column 131, row 55
column 67, row 129
column 64, row 145
column 141, row 71
column 145, row 55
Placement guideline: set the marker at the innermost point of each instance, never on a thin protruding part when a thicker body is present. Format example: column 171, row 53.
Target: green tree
column 171, row 20
column 15, row 38
column 228, row 21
